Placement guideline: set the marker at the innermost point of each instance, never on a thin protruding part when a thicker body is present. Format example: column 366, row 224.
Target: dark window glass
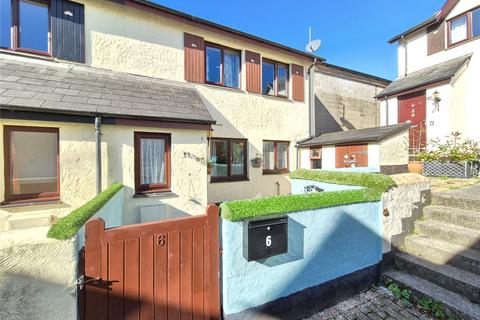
column 476, row 23
column 231, row 66
column 214, row 64
column 228, row 157
column 219, row 158
column 317, row 164
column 268, row 77
column 238, row 158
column 282, row 80
column 5, row 23
column 33, row 24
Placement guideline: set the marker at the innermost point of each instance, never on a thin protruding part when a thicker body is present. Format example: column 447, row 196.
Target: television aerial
column 312, row 45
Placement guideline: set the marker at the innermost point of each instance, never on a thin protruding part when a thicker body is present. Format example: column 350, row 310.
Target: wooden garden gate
column 159, row 270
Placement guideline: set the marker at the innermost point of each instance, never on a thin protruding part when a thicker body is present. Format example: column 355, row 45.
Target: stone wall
column 404, row 204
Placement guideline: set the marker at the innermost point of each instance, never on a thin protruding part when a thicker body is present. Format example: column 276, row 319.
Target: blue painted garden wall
column 323, row 245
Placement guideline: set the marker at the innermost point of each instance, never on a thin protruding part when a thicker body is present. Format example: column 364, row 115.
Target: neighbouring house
column 345, row 99
column 438, row 74
column 378, row 149
column 97, row 92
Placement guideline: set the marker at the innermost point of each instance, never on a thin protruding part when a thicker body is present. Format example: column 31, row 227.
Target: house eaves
column 438, row 17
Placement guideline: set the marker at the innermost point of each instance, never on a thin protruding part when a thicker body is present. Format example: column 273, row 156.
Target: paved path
column 370, row 305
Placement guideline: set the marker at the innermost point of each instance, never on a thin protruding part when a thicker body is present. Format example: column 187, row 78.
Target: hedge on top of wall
column 69, row 225
column 374, row 185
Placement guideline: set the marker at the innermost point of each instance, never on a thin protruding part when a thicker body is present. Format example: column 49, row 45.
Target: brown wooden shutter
column 252, row 62
column 298, row 81
column 435, row 38
column 194, row 58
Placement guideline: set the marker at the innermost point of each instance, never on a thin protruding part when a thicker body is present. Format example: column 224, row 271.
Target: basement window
column 31, row 164
column 229, row 159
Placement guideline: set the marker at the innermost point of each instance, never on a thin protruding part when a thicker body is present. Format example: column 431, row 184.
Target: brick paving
column 370, row 305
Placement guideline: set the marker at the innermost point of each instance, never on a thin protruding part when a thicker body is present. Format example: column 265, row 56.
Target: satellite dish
column 313, row 45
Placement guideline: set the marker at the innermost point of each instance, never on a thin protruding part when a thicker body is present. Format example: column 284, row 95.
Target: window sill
column 157, row 194
column 25, row 203
column 459, row 43
column 270, row 172
column 222, row 87
column 27, row 54
column 222, row 180
column 279, row 98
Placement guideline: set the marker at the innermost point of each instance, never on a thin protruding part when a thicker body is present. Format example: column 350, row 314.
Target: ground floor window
column 31, row 163
column 229, row 159
column 316, row 158
column 152, row 162
column 275, row 157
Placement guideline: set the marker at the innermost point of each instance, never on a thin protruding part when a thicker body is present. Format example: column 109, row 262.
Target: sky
column 354, row 33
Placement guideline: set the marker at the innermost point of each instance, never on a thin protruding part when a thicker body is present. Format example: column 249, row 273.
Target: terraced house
column 438, row 73
column 97, row 92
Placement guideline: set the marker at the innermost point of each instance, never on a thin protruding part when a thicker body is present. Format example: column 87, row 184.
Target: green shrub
column 451, row 150
column 375, row 185
column 69, row 225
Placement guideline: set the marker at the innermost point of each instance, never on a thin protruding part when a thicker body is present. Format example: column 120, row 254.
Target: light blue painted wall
column 111, row 213
column 355, row 169
column 324, row 244
column 298, row 186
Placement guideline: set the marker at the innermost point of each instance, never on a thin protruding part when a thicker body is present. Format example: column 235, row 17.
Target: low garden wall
column 334, row 246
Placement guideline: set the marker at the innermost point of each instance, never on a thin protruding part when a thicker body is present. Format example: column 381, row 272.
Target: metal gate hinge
column 81, row 282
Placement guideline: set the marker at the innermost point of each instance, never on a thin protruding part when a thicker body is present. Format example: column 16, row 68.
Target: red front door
column 412, row 108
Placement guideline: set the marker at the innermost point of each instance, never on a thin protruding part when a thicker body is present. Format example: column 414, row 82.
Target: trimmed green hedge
column 374, row 184
column 69, row 225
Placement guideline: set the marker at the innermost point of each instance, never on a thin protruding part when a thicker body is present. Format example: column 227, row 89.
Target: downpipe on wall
column 98, row 152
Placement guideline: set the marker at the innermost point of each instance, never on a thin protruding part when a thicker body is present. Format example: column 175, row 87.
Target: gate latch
column 81, row 282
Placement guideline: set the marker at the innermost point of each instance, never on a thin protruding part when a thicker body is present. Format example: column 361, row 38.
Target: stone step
column 461, row 217
column 469, row 238
column 30, row 221
column 441, row 252
column 452, row 302
column 453, row 279
column 459, row 201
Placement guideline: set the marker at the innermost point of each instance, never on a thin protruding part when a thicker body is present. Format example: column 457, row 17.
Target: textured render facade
column 345, row 99
column 458, row 109
column 125, row 39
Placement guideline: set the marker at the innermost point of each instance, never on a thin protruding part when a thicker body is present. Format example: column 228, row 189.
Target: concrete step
column 452, row 302
column 453, row 279
column 441, row 252
column 466, row 237
column 460, row 200
column 30, row 221
column 461, row 217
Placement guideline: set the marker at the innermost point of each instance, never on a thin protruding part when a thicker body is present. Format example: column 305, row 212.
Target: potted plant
column 451, row 158
column 257, row 161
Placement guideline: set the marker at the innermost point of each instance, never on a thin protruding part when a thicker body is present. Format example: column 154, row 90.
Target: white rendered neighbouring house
column 437, row 88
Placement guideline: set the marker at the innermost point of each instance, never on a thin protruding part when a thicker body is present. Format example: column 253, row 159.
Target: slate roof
column 436, row 73
column 68, row 88
column 376, row 134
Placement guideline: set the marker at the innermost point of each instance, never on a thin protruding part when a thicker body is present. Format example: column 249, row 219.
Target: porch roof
column 430, row 75
column 375, row 134
column 45, row 86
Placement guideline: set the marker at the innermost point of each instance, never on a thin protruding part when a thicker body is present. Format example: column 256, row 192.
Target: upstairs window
column 275, row 157
column 458, row 29
column 31, row 163
column 464, row 27
column 274, row 78
column 222, row 66
column 28, row 22
column 476, row 23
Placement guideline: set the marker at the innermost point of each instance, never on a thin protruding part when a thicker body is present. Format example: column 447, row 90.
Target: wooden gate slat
column 95, row 295
column 160, row 276
column 173, row 275
column 146, row 278
column 131, row 262
column 198, row 263
column 115, row 279
column 186, row 247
